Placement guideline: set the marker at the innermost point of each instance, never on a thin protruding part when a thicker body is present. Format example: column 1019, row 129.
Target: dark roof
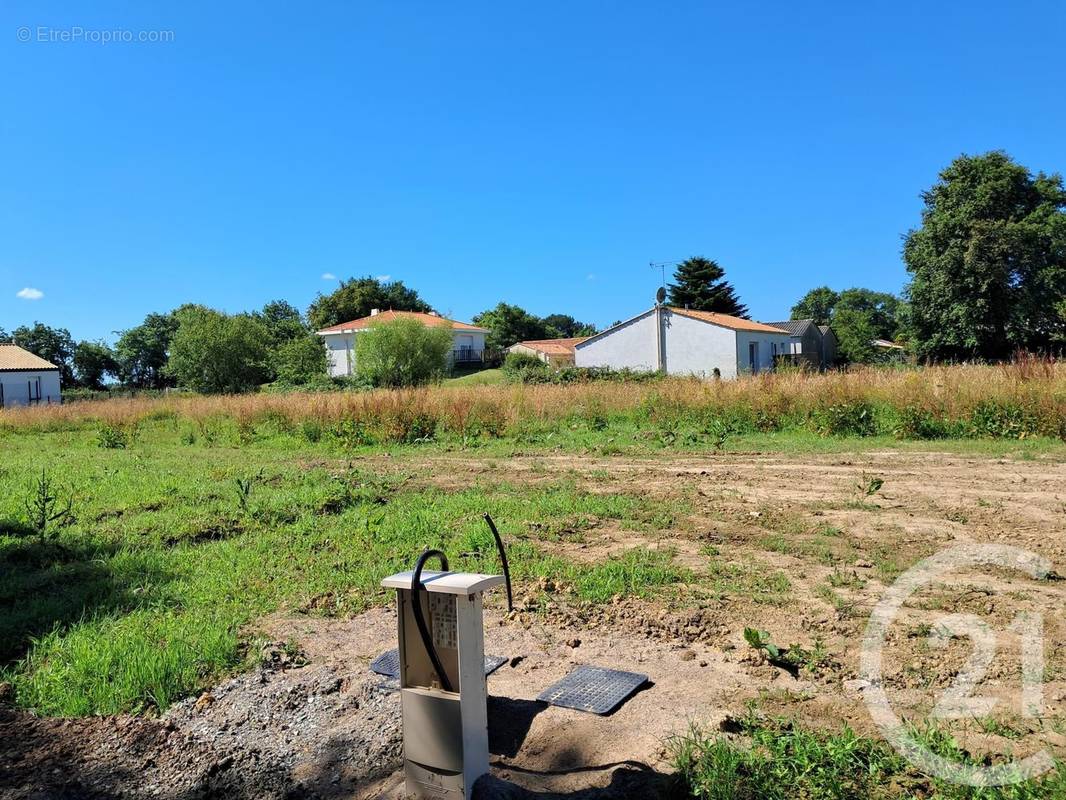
column 795, row 327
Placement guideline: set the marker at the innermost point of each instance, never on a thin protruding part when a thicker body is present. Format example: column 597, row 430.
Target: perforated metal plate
column 388, row 663
column 593, row 689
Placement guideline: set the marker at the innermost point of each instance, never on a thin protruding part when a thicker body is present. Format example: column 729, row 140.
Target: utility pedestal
column 445, row 733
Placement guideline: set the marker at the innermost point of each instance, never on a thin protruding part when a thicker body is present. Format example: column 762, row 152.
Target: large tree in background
column 52, row 344
column 563, row 326
column 92, row 362
column 283, row 321
column 142, row 352
column 4, row 336
column 988, row 264
column 215, row 353
column 857, row 316
column 816, row 305
column 508, row 324
column 355, row 298
column 699, row 284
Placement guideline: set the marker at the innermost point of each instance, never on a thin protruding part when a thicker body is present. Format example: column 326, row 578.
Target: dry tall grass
column 1036, row 389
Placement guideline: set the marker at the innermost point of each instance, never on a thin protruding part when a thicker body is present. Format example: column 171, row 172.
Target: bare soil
column 318, row 724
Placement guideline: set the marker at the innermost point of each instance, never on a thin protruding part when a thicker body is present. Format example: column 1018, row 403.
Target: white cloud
column 30, row 294
column 384, row 278
column 328, row 276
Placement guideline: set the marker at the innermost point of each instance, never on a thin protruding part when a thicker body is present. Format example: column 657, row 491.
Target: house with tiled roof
column 26, row 379
column 680, row 341
column 806, row 343
column 555, row 352
column 468, row 341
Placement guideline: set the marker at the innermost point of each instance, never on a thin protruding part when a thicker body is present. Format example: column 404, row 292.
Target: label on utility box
column 444, row 622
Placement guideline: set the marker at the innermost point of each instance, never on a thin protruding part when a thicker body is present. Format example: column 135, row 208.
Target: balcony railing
column 467, row 355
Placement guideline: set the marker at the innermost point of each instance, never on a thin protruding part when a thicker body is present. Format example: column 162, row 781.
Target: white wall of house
column 340, row 348
column 690, row 347
column 694, row 347
column 764, row 349
column 632, row 345
column 21, row 387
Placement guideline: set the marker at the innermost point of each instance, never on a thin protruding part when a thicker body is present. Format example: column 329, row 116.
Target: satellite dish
column 660, row 296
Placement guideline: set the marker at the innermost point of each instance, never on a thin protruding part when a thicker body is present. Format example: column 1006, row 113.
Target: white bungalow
column 26, row 379
column 468, row 341
column 683, row 342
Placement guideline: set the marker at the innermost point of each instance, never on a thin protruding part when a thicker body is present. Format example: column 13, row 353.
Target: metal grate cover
column 594, row 689
column 388, row 663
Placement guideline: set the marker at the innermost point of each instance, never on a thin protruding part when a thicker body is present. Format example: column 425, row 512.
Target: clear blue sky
column 540, row 153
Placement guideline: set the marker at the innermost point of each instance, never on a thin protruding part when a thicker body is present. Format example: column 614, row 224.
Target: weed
column 49, row 506
column 243, row 488
column 114, row 437
column 869, row 485
column 779, row 760
column 792, row 658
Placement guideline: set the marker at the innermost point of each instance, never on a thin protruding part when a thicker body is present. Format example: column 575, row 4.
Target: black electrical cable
column 503, row 561
column 420, row 620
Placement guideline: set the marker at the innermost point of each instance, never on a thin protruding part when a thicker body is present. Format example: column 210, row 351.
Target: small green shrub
column 1002, row 420
column 114, row 437
column 311, row 430
column 525, row 368
column 852, row 418
column 914, row 422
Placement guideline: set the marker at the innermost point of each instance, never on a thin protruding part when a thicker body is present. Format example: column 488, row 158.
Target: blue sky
column 540, row 153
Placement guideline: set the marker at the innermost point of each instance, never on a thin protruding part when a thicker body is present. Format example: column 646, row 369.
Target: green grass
column 777, row 760
column 485, row 377
column 155, row 588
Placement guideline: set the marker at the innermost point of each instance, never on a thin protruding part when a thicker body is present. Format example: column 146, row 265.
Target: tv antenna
column 661, row 266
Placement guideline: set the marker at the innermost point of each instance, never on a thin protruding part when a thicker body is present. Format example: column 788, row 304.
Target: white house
column 468, row 340
column 683, row 342
column 26, row 379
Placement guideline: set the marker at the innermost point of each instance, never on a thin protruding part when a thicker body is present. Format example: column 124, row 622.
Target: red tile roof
column 554, row 347
column 389, row 316
column 727, row 321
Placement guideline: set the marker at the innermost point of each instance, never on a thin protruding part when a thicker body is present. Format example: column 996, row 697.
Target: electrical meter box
column 445, row 733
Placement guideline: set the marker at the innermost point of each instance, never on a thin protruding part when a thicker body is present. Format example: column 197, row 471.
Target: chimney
column 375, row 311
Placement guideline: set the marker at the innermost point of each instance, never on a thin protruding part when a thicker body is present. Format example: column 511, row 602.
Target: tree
column 92, row 361
column 282, row 321
column 54, row 345
column 356, row 297
column 403, row 352
column 508, row 324
column 301, row 360
column 4, row 336
column 699, row 284
column 988, row 264
column 816, row 305
column 142, row 352
column 563, row 326
column 217, row 353
column 881, row 310
column 855, row 333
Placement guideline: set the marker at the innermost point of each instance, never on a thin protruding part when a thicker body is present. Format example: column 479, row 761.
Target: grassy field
column 174, row 549
column 192, row 519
